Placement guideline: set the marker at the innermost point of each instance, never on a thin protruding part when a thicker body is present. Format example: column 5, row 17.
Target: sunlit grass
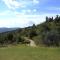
column 29, row 53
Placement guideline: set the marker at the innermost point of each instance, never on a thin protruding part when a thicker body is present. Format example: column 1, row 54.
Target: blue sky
column 22, row 13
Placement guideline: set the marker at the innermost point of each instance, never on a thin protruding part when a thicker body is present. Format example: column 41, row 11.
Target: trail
column 32, row 43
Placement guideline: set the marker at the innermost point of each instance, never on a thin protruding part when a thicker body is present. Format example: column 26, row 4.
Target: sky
column 23, row 13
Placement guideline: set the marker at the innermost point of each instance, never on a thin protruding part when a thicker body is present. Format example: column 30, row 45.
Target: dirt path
column 32, row 43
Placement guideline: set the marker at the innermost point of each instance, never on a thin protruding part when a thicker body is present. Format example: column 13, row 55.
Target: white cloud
column 29, row 11
column 4, row 13
column 20, row 20
column 34, row 10
column 35, row 1
column 23, row 20
column 12, row 4
column 53, row 8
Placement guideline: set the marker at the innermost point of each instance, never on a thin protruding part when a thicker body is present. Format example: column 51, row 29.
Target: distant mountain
column 3, row 29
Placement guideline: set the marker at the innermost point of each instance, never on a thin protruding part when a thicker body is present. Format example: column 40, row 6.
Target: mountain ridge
column 5, row 29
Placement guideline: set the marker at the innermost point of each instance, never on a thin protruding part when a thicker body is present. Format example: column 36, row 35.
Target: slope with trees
column 46, row 33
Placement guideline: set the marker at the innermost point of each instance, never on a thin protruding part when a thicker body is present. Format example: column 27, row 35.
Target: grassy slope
column 29, row 53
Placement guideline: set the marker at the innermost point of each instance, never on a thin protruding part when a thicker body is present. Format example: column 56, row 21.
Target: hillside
column 44, row 34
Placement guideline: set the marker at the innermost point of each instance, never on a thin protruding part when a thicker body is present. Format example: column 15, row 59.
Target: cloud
column 26, row 15
column 13, row 4
column 23, row 20
column 20, row 20
column 53, row 8
column 35, row 1
column 28, row 11
column 34, row 10
column 4, row 13
column 31, row 11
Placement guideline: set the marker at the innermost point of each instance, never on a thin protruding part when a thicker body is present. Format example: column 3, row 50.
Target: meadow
column 29, row 53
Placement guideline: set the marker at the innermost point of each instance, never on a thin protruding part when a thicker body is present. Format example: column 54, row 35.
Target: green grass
column 29, row 53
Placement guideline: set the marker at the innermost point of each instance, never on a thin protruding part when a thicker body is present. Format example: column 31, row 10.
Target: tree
column 33, row 31
column 10, row 38
column 47, row 19
column 57, row 18
column 52, row 39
